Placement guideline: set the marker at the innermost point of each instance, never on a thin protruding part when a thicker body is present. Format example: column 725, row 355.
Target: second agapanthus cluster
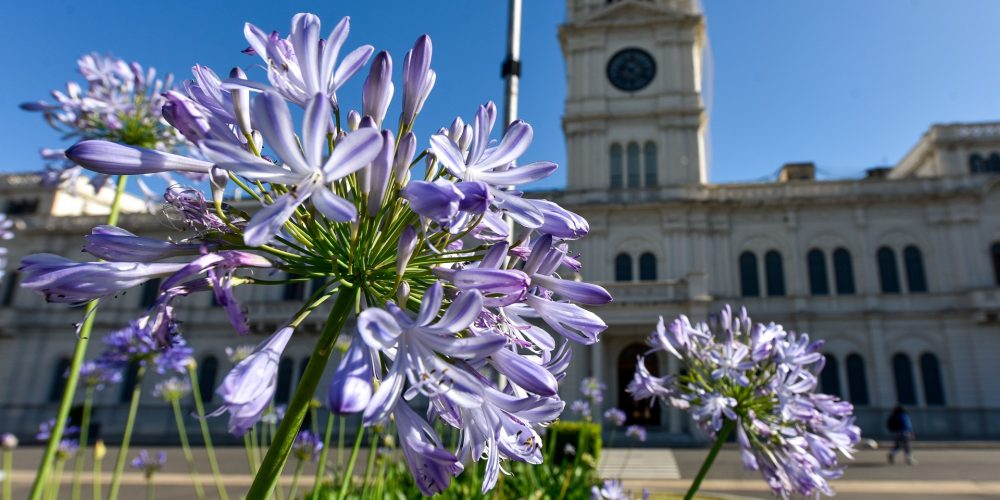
column 416, row 243
column 759, row 380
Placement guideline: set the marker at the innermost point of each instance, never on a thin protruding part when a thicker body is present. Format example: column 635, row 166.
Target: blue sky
column 848, row 84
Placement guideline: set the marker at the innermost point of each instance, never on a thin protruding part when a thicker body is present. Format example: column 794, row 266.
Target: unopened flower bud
column 100, row 450
column 402, row 294
column 353, row 120
column 219, row 178
column 456, row 130
column 465, row 139
column 404, row 156
column 404, row 249
column 241, row 102
column 8, row 441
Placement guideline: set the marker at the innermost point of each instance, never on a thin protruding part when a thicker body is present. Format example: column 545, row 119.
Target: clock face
column 631, row 69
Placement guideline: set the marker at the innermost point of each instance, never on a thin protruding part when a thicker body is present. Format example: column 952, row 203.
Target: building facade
column 899, row 272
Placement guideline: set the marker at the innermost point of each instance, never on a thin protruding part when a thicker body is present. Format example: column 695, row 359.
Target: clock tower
column 634, row 117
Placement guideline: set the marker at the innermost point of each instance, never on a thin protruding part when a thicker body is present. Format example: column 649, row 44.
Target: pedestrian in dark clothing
column 901, row 428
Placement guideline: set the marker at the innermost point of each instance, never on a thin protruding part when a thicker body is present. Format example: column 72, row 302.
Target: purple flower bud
column 110, row 158
column 248, row 388
column 378, row 88
column 418, row 78
column 64, row 280
column 351, row 386
column 431, row 465
column 8, row 441
column 219, row 178
column 118, row 245
column 404, row 250
column 379, row 172
column 530, row 376
column 241, row 101
column 560, row 222
column 186, row 116
column 404, row 156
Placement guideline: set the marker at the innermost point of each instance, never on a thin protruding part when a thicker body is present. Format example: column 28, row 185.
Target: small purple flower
column 610, row 489
column 581, row 408
column 45, row 430
column 306, row 446
column 149, row 464
column 615, row 417
column 98, row 374
column 593, row 389
column 636, row 432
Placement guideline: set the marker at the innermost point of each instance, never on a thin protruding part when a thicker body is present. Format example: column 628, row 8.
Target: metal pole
column 511, row 69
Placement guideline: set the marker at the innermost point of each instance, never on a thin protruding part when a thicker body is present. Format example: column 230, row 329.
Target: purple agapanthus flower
column 247, row 389
column 636, row 432
column 99, row 373
column 307, row 446
column 615, row 417
column 760, row 380
column 149, row 464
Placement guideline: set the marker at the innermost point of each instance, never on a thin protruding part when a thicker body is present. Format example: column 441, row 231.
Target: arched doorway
column 637, row 412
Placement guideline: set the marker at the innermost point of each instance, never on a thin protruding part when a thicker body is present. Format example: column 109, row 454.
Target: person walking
column 901, row 428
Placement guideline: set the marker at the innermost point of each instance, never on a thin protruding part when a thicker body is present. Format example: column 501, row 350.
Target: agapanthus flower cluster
column 98, row 374
column 120, row 101
column 307, row 446
column 613, row 489
column 416, row 242
column 149, row 464
column 172, row 389
column 636, row 432
column 615, row 417
column 761, row 380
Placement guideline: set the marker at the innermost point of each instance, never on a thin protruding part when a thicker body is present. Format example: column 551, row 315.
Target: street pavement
column 959, row 471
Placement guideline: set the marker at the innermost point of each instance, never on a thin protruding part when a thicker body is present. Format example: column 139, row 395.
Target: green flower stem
column 81, row 451
column 73, row 376
column 57, row 479
column 8, row 471
column 341, row 430
column 349, row 471
column 270, row 470
column 133, row 408
column 150, row 492
column 727, row 428
column 370, row 465
column 186, row 448
column 249, row 449
column 98, row 462
column 321, row 465
column 295, row 480
column 205, row 434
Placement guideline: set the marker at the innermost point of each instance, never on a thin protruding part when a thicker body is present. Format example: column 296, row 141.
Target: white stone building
column 898, row 272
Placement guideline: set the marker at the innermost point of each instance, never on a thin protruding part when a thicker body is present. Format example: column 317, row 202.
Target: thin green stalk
column 8, row 472
column 295, row 480
column 205, row 434
column 99, row 451
column 727, row 428
column 349, row 472
column 270, row 470
column 133, row 408
column 150, row 492
column 249, row 449
column 321, row 465
column 81, row 452
column 73, row 377
column 370, row 465
column 341, row 430
column 186, row 448
column 57, row 478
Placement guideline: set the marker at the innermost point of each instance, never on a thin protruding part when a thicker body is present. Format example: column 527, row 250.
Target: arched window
column 283, row 390
column 9, row 289
column 295, row 290
column 129, row 381
column 649, row 163
column 749, row 281
column 816, row 261
column 774, row 273
column 914, row 264
column 632, row 162
column 636, row 412
column 993, row 166
column 888, row 275
column 857, row 382
column 930, row 373
column 977, row 164
column 829, row 378
column 617, row 181
column 647, row 267
column 906, row 393
column 623, row 267
column 843, row 271
column 150, row 292
column 207, row 370
column 995, row 253
column 58, row 385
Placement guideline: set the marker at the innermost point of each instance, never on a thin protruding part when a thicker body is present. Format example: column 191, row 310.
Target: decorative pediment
column 633, row 10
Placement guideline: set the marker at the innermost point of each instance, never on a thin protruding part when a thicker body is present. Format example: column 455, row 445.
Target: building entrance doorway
column 636, row 412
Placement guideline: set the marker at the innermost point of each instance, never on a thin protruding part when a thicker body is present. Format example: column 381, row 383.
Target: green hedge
column 584, row 436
